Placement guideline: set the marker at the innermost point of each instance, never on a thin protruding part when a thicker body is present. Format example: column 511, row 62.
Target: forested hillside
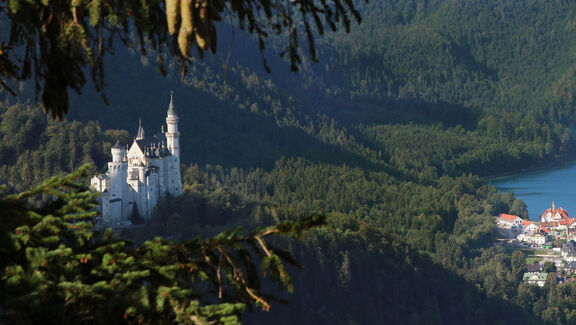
column 496, row 75
column 388, row 135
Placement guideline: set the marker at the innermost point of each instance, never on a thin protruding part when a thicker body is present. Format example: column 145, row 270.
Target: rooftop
column 507, row 217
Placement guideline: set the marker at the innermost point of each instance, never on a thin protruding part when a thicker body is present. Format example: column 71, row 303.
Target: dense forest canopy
column 388, row 136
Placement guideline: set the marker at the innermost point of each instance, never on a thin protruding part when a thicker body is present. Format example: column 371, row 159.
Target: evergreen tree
column 76, row 35
column 56, row 269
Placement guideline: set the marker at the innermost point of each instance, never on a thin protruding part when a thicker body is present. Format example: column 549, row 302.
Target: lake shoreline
column 539, row 186
column 556, row 163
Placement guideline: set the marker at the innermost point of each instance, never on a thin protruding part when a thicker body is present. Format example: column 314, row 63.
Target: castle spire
column 140, row 134
column 172, row 134
column 171, row 106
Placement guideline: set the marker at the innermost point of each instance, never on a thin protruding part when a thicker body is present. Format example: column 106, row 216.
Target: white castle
column 136, row 180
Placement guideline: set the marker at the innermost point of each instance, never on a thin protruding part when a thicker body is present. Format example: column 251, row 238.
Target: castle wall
column 153, row 189
column 175, row 181
column 115, row 210
column 104, row 206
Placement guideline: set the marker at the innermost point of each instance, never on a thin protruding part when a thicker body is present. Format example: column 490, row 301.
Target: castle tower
column 172, row 136
column 117, row 169
column 118, row 152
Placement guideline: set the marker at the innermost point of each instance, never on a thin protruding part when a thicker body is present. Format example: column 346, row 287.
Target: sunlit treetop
column 53, row 41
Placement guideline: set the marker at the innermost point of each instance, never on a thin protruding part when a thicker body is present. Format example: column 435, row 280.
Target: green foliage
column 416, row 290
column 75, row 35
column 461, row 207
column 432, row 151
column 519, row 208
column 549, row 267
column 33, row 148
column 55, row 268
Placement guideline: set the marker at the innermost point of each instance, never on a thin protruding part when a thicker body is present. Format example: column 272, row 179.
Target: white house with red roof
column 553, row 214
column 505, row 220
column 532, row 234
column 529, row 227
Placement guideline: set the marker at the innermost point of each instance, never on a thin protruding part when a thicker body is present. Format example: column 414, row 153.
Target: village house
column 568, row 251
column 538, row 279
column 509, row 221
column 538, row 238
column 529, row 227
column 533, row 234
column 572, row 229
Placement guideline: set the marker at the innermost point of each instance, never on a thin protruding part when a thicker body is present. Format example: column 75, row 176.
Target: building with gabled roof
column 529, row 227
column 141, row 175
column 538, row 279
column 572, row 229
column 508, row 221
column 568, row 251
column 554, row 214
column 533, row 268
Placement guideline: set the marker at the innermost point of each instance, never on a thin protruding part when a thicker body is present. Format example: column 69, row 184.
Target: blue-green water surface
column 539, row 188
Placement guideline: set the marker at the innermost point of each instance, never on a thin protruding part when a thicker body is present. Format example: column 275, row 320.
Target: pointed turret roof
column 117, row 145
column 140, row 134
column 171, row 106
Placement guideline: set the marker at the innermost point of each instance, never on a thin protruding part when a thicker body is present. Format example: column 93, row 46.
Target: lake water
column 538, row 189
